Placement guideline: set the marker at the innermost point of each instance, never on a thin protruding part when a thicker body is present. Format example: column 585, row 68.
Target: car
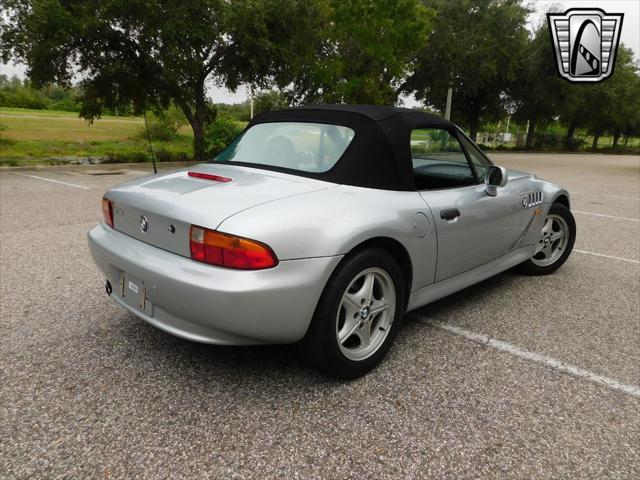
column 320, row 226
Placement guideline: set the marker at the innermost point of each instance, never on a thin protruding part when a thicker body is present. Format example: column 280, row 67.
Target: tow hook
column 108, row 288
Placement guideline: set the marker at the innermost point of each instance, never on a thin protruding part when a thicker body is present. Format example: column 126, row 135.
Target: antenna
column 153, row 157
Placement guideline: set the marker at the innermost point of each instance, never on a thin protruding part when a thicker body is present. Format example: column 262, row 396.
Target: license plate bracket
column 136, row 293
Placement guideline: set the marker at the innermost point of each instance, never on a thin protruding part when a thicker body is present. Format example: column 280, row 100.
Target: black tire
column 531, row 268
column 320, row 346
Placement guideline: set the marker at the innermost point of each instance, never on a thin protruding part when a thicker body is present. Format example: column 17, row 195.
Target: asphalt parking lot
column 518, row 377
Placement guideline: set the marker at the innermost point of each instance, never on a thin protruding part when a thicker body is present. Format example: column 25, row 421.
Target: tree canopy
column 538, row 91
column 153, row 52
column 476, row 47
column 149, row 54
column 363, row 52
column 612, row 106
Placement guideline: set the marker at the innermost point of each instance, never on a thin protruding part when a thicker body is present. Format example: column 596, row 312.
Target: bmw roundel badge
column 144, row 223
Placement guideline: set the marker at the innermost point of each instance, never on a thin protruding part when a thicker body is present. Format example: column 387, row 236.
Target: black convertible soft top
column 379, row 156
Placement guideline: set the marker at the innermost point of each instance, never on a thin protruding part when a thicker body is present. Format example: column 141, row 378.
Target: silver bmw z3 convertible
column 321, row 226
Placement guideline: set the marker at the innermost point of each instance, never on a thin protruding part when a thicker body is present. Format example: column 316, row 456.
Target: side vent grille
column 533, row 199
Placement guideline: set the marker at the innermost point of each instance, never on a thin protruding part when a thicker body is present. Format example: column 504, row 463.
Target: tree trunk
column 198, row 140
column 616, row 137
column 570, row 132
column 596, row 137
column 626, row 140
column 530, row 134
column 200, row 119
column 473, row 129
column 197, row 114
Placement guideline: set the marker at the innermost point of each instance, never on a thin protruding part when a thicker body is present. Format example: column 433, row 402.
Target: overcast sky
column 630, row 36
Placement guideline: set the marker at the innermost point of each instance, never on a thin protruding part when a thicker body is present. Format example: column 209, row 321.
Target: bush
column 219, row 134
column 133, row 157
column 163, row 155
column 159, row 130
column 65, row 105
column 24, row 97
column 578, row 143
column 549, row 141
column 164, row 126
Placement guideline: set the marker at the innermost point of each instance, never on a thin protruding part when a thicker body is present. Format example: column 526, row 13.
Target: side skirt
column 441, row 289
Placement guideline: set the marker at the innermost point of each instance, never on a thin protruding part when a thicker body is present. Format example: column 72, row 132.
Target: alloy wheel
column 553, row 240
column 366, row 313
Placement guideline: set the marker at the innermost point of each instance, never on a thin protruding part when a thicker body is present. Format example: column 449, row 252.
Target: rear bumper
column 208, row 304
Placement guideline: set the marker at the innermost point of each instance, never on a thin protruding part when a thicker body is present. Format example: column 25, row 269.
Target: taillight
column 209, row 176
column 107, row 211
column 229, row 251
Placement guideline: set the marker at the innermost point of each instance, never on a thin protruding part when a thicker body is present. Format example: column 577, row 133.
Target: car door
column 472, row 227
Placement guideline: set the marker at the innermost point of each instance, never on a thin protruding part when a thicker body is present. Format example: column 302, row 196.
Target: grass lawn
column 34, row 136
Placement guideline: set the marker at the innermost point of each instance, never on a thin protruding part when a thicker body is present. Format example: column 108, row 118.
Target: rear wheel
column 358, row 315
column 557, row 237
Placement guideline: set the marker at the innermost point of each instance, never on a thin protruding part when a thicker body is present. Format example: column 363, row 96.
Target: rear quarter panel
column 334, row 221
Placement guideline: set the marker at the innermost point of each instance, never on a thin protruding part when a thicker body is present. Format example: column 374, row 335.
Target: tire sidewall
column 531, row 268
column 332, row 359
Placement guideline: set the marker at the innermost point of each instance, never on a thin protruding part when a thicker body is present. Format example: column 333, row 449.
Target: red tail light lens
column 107, row 211
column 224, row 250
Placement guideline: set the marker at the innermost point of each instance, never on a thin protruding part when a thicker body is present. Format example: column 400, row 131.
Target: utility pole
column 251, row 94
column 447, row 110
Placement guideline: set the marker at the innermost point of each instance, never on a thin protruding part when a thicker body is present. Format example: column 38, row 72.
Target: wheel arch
column 394, row 248
column 563, row 199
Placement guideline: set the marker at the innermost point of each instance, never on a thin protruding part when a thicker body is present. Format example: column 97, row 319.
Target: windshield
column 308, row 147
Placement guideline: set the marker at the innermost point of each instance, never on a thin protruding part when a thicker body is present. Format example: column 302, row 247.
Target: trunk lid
column 171, row 203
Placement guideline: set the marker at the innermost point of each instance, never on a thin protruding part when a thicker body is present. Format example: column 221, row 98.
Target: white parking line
column 623, row 198
column 606, row 216
column 607, row 256
column 53, row 181
column 540, row 358
column 590, row 194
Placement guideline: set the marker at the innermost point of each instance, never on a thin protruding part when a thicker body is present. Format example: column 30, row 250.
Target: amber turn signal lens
column 107, row 211
column 230, row 251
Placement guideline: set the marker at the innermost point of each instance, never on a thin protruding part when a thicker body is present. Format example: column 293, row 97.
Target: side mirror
column 495, row 177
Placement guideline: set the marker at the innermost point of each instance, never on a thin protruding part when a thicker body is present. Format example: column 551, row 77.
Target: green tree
column 627, row 123
column 476, row 47
column 238, row 111
column 154, row 52
column 363, row 52
column 537, row 90
column 607, row 107
column 268, row 101
column 164, row 125
column 18, row 93
column 623, row 93
column 220, row 133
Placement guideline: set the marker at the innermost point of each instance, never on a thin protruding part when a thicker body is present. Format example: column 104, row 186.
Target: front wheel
column 358, row 315
column 557, row 237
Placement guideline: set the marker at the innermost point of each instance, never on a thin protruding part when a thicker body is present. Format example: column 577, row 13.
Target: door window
column 479, row 161
column 438, row 160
